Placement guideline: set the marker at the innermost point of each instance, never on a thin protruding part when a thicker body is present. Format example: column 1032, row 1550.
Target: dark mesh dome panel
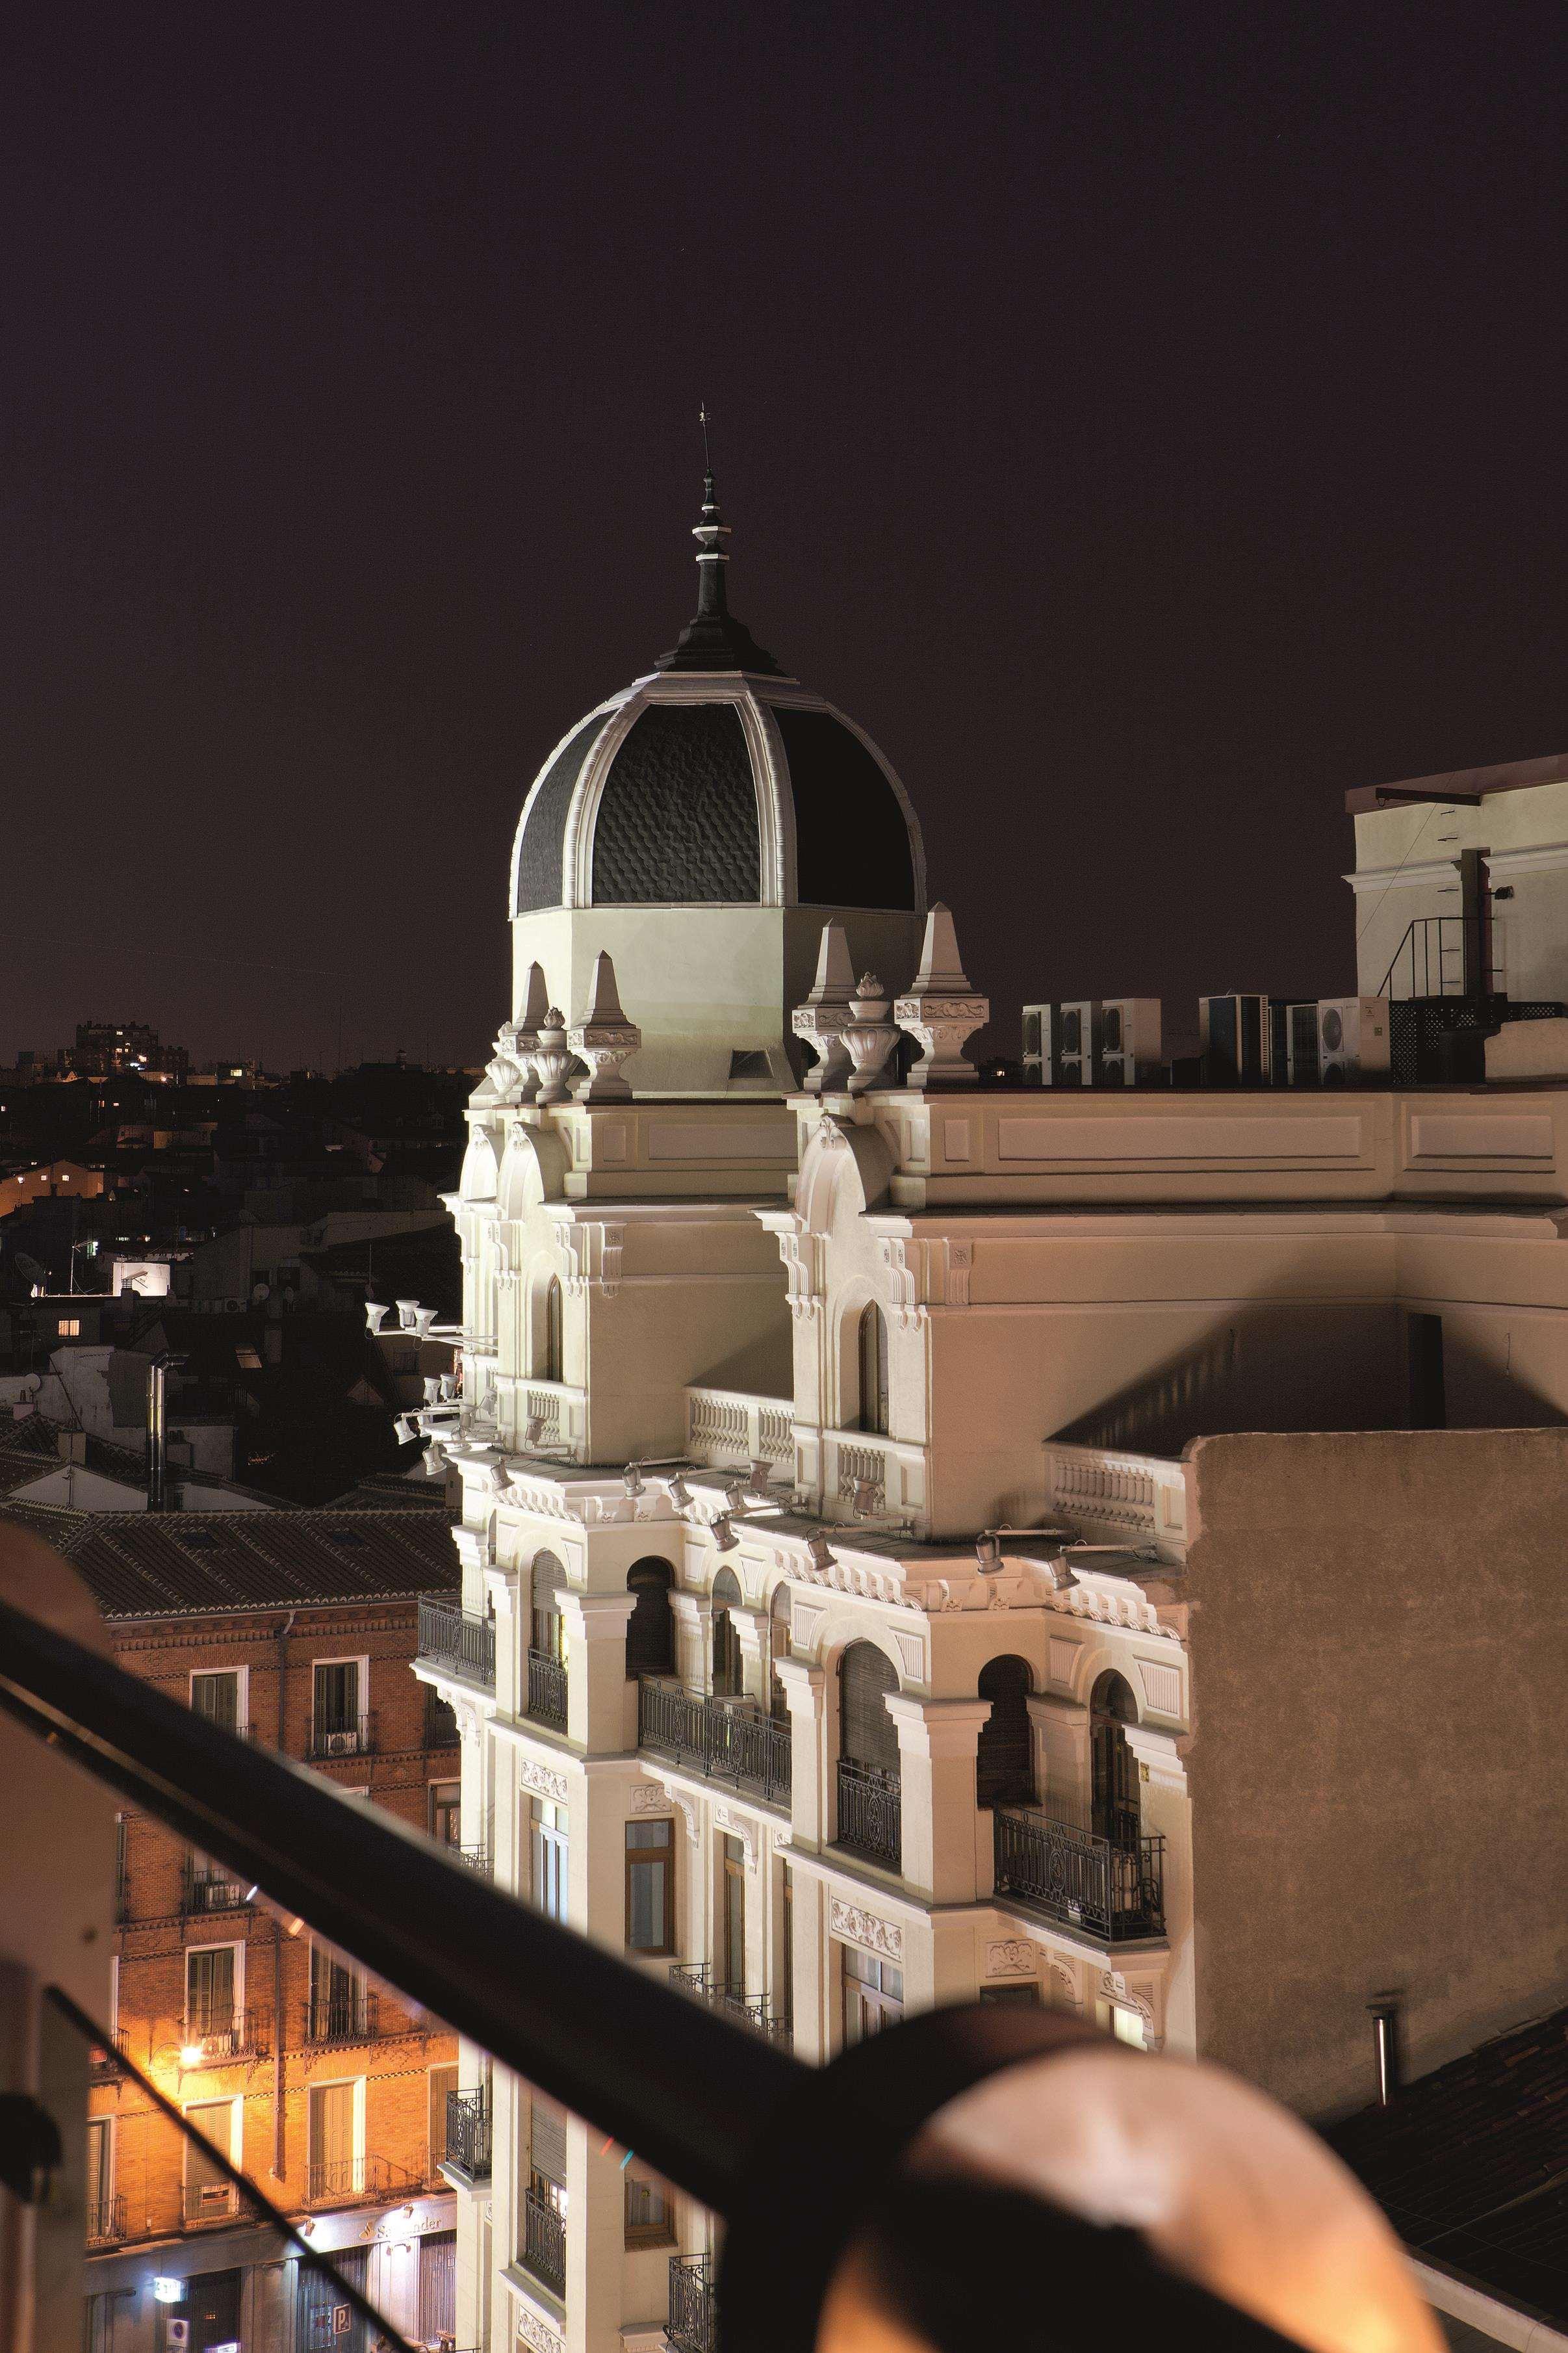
column 678, row 819
column 539, row 860
column 852, row 845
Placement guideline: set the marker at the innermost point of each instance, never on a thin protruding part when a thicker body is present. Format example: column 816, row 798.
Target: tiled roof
column 181, row 1563
column 1470, row 2165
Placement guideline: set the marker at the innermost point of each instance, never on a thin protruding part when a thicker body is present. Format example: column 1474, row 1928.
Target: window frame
column 357, row 2152
column 360, row 1659
column 234, row 2151
column 552, row 1839
column 645, row 1857
column 235, row 1945
column 661, row 2233
column 241, row 1692
column 446, row 2067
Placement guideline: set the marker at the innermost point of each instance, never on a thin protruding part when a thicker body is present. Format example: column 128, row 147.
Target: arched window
column 650, row 1628
column 728, row 1680
column 548, row 1582
column 554, row 1364
column 1004, row 1766
column 1115, row 1767
column 873, row 1369
column 778, row 1648
column 868, row 1734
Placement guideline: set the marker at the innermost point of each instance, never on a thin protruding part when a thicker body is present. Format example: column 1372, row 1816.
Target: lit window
column 69, row 1327
column 650, row 2217
column 549, row 1857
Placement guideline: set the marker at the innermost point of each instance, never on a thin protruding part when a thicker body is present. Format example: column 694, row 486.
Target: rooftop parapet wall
column 1011, row 1149
column 1380, row 1655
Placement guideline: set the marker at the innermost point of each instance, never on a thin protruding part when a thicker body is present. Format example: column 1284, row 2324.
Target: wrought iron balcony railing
column 547, row 1690
column 206, row 1890
column 340, row 2180
column 214, row 2035
column 350, row 1737
column 753, row 2012
column 727, row 1740
column 450, row 1637
column 870, row 1812
column 103, row 2059
column 469, row 2133
column 105, row 2221
column 1113, row 1890
column 692, row 2326
column 543, row 2249
column 345, row 2015
column 474, row 1858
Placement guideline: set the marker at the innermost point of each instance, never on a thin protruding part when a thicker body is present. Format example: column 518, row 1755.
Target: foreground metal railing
column 727, row 2116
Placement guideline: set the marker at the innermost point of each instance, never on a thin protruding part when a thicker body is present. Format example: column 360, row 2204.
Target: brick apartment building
column 295, row 1629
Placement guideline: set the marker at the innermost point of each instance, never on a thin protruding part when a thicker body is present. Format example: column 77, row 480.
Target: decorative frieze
column 864, row 1928
column 541, row 1780
column 1011, row 1956
column 651, row 1798
column 535, row 2331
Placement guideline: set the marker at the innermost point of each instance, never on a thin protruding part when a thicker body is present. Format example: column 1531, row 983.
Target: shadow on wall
column 1374, row 1367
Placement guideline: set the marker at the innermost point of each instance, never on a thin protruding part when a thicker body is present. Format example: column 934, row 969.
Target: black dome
column 677, row 816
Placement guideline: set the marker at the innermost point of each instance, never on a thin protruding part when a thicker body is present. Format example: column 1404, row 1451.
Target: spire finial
column 713, row 638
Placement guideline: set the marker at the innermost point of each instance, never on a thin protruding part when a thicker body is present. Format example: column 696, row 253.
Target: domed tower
column 702, row 824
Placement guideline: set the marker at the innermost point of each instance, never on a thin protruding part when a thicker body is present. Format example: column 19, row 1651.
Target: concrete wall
column 1379, row 1658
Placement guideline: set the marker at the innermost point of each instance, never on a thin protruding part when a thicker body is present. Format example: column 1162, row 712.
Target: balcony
column 477, row 1859
column 693, row 2323
column 346, row 2014
column 452, row 1639
column 543, row 2250
column 355, row 1736
column 103, row 2065
column 105, row 2222
column 211, row 2039
column 206, row 1891
column 339, row 2180
column 1111, row 1496
column 547, row 1690
column 726, row 1740
column 725, row 1426
column 753, row 2012
column 870, row 1812
column 468, row 2134
column 1112, row 1892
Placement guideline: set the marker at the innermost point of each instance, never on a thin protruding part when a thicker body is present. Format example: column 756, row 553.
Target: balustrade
column 453, row 1638
column 870, row 1812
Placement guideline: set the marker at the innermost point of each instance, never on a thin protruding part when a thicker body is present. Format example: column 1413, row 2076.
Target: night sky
column 1149, row 421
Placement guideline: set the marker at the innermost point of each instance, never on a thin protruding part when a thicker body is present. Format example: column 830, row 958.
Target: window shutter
column 868, row 1734
column 548, row 2141
column 650, row 1629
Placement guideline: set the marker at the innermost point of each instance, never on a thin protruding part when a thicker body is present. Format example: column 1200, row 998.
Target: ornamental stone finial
column 869, row 1034
column 941, row 1010
column 820, row 1021
column 605, row 1040
column 535, row 1005
column 552, row 1057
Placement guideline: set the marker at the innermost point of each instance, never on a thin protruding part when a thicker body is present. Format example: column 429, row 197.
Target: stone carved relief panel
column 857, row 1928
column 1011, row 1956
column 541, row 1780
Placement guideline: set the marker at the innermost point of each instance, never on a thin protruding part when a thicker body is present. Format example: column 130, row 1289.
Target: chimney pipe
column 157, row 1433
column 1385, row 2009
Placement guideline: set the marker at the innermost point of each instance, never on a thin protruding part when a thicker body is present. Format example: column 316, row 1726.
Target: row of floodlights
column 1244, row 1040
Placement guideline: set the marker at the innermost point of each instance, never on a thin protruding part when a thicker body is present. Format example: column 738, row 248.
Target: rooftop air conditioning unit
column 1129, row 1041
column 1233, row 1031
column 342, row 1743
column 1352, row 1038
column 1037, row 1044
column 1301, row 1045
column 1073, row 1043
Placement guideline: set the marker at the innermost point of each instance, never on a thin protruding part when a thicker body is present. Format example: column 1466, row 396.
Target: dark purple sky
column 1148, row 421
